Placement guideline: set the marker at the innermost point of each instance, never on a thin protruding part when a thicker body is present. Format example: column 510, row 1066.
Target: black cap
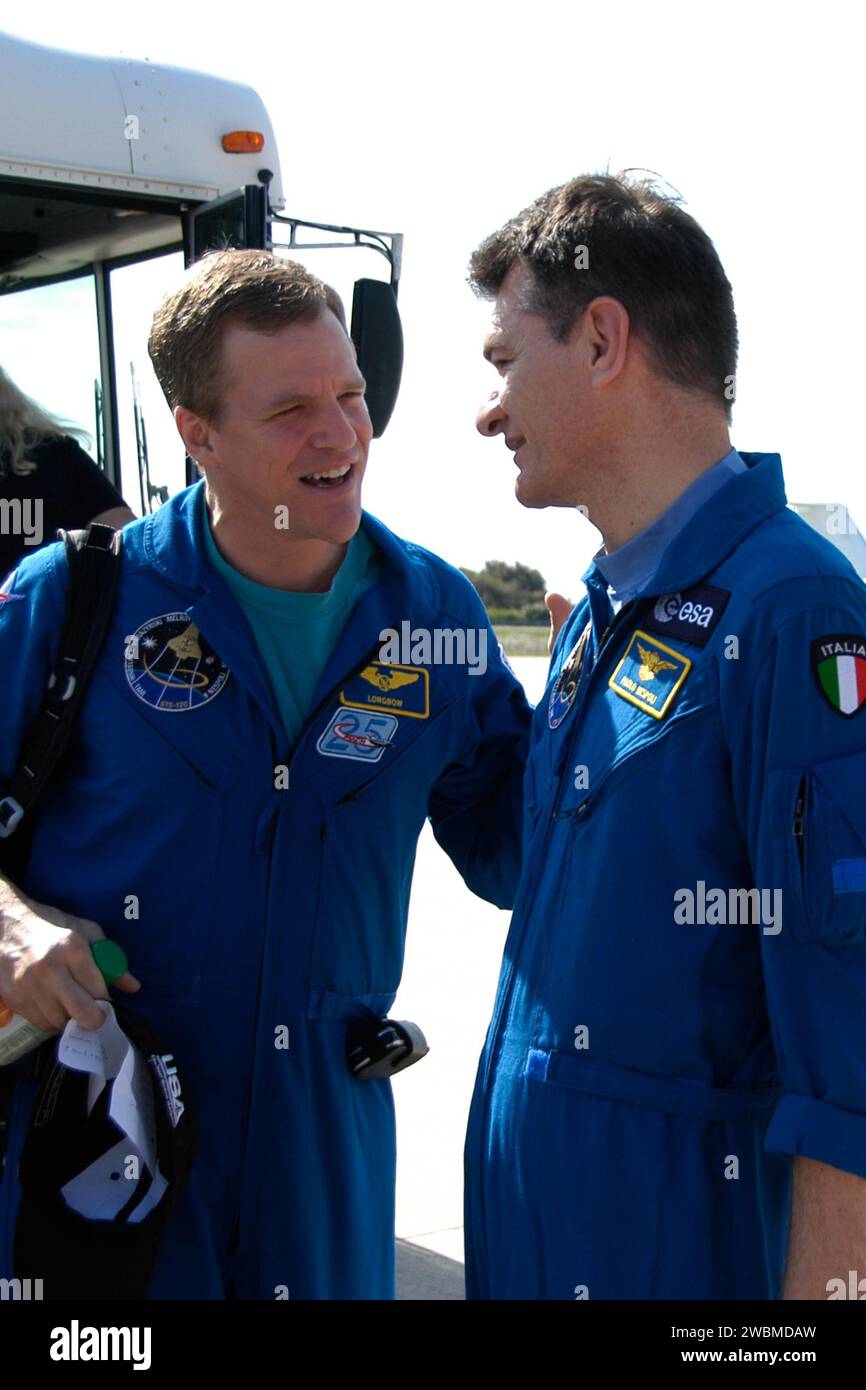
column 76, row 1256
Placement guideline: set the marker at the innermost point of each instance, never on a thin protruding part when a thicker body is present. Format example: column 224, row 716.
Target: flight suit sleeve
column 476, row 806
column 32, row 609
column 799, row 781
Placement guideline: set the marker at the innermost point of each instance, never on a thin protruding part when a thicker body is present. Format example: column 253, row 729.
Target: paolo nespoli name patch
column 171, row 666
column 650, row 674
column 690, row 616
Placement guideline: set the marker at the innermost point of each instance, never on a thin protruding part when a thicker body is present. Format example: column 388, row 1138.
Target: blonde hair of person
column 24, row 424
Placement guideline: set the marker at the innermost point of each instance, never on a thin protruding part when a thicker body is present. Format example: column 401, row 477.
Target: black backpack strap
column 93, row 559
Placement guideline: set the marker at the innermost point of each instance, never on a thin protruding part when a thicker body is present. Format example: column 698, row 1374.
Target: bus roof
column 118, row 128
column 65, row 116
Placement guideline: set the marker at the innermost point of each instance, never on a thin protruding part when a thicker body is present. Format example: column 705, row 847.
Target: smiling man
column 252, row 772
column 671, row 1101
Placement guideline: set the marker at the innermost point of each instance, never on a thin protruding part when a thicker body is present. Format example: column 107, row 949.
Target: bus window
column 151, row 452
column 49, row 346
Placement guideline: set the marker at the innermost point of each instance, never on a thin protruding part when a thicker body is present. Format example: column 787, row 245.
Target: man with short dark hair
column 247, row 781
column 672, row 1095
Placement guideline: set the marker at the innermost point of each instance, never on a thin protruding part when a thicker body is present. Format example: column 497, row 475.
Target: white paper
column 108, row 1055
column 100, row 1052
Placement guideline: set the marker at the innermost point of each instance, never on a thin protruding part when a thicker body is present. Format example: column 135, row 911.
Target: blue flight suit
column 258, row 914
column 664, row 1037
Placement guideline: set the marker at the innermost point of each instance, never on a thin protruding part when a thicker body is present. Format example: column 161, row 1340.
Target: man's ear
column 196, row 435
column 607, row 328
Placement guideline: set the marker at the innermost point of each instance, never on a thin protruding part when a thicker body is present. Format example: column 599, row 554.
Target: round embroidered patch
column 171, row 666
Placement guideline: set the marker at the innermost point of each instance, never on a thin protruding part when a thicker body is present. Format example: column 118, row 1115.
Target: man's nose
column 336, row 430
column 491, row 418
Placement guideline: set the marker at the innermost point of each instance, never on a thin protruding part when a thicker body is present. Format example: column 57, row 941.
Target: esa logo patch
column 397, row 689
column 650, row 674
column 171, row 667
column 688, row 617
column 358, row 734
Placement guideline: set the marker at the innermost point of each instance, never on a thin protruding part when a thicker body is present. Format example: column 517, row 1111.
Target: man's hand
column 559, row 609
column 47, row 971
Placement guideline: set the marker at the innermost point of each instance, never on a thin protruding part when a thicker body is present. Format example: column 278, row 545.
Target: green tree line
column 511, row 593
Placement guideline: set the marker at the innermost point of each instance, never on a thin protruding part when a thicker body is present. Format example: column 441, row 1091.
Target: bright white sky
column 441, row 121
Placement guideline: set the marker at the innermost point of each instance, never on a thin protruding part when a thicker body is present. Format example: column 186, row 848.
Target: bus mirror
column 378, row 337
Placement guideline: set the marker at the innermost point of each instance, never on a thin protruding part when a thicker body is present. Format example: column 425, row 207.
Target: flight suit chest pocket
column 818, row 849
column 193, row 739
column 616, row 740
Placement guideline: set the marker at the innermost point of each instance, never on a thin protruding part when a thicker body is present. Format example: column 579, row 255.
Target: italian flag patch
column 839, row 663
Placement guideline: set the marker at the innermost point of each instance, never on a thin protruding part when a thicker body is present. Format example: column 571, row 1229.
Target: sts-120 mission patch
column 171, row 666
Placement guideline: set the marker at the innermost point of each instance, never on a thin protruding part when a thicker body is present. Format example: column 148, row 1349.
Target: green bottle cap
column 111, row 960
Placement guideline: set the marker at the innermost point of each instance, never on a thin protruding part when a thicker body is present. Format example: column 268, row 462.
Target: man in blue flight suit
column 250, row 773
column 671, row 1101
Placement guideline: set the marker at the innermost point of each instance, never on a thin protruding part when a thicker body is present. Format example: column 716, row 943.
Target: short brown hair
column 642, row 249
column 253, row 288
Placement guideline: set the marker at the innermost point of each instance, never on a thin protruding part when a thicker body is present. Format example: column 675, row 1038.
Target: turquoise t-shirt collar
column 290, row 605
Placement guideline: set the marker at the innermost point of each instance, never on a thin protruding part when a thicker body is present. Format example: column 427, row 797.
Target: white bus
column 114, row 174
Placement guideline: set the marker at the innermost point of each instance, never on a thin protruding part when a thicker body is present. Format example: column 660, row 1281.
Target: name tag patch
column 358, row 734
column 650, row 674
column 397, row 689
column 691, row 616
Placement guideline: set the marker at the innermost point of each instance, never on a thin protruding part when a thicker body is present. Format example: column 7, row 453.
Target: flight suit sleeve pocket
column 818, row 834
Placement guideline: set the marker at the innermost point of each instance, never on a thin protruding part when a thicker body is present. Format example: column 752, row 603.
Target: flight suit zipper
column 505, row 992
column 798, row 827
column 268, row 850
column 576, row 813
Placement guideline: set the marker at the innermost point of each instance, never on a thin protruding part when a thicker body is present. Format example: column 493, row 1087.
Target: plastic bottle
column 18, row 1035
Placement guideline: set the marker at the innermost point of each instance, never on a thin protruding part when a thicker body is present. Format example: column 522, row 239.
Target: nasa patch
column 358, row 734
column 690, row 617
column 171, row 667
